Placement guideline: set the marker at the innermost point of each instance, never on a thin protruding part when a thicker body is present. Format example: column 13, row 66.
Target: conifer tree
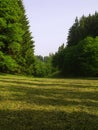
column 10, row 34
column 86, row 26
column 27, row 51
column 16, row 45
column 80, row 56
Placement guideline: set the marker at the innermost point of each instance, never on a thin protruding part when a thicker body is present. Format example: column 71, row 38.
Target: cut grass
column 48, row 104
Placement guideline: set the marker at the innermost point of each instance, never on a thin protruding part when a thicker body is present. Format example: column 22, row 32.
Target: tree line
column 78, row 58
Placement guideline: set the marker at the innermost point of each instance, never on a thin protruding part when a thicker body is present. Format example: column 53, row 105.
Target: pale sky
column 50, row 21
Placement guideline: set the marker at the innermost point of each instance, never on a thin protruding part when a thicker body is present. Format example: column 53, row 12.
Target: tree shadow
column 47, row 120
column 50, row 96
column 43, row 83
column 47, row 94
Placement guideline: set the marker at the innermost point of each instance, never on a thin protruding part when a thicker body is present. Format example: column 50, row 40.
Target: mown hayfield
column 48, row 104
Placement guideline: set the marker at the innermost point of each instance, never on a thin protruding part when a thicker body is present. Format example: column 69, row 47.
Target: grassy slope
column 48, row 104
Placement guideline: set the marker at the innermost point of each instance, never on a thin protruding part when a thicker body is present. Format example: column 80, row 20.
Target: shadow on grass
column 48, row 96
column 54, row 94
column 47, row 120
column 44, row 83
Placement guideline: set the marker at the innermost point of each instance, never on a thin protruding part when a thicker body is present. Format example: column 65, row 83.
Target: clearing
column 48, row 104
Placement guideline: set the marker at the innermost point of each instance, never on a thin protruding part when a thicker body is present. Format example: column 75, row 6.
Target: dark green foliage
column 15, row 38
column 80, row 56
column 86, row 26
column 27, row 50
column 58, row 58
column 82, row 59
column 73, row 33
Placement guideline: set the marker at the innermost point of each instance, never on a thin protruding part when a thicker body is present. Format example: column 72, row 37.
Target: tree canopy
column 85, row 26
column 80, row 56
column 16, row 44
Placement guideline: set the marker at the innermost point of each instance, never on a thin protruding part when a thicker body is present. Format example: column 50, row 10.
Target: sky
column 50, row 21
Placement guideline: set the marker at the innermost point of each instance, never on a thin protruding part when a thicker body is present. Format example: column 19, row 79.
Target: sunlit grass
column 48, row 104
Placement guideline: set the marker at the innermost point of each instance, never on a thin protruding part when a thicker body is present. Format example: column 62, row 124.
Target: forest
column 55, row 92
column 78, row 57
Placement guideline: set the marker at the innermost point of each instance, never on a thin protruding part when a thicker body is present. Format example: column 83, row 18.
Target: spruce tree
column 10, row 34
column 27, row 50
column 16, row 45
column 85, row 26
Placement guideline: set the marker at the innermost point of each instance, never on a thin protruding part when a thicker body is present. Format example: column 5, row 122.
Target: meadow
column 28, row 103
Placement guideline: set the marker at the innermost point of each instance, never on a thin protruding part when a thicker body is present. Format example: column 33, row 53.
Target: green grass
column 48, row 104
